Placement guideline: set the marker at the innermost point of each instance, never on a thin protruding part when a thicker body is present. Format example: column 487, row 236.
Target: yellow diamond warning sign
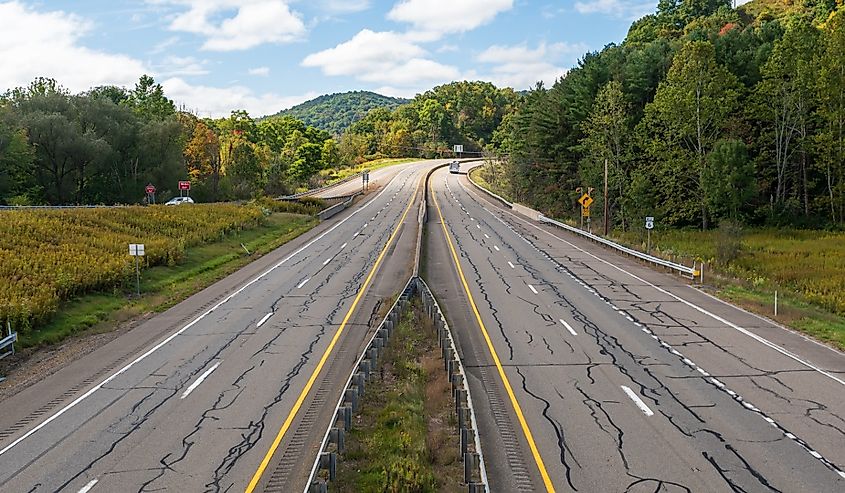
column 586, row 201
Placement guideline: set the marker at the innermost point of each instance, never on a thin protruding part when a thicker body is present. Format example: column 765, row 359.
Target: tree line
column 704, row 113
column 459, row 113
column 105, row 145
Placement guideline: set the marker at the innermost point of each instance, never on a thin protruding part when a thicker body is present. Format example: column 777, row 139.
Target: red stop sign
column 150, row 189
column 184, row 185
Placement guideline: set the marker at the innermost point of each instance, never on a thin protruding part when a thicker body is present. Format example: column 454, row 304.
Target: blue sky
column 214, row 56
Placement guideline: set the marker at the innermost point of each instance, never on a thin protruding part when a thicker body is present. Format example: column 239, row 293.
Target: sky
column 215, row 56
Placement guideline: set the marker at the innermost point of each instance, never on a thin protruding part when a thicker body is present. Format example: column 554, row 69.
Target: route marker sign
column 137, row 251
column 586, row 201
column 649, row 222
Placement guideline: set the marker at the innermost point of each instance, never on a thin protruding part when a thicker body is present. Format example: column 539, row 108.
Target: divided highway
column 230, row 390
column 588, row 371
column 591, row 372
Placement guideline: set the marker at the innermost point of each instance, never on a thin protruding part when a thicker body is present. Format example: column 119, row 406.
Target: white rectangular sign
column 136, row 249
column 459, row 148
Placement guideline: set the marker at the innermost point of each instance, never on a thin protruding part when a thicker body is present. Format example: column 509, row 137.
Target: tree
column 729, row 179
column 16, row 156
column 690, row 111
column 831, row 91
column 606, row 139
column 148, row 99
column 785, row 99
column 202, row 157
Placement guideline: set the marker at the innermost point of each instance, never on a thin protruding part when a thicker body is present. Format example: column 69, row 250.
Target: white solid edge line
column 754, row 336
column 568, row 327
column 199, row 380
column 512, row 266
column 266, row 317
column 639, row 402
column 176, row 334
column 88, row 486
column 303, row 283
column 533, row 289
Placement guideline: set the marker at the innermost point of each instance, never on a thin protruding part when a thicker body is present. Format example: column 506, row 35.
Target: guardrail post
column 344, row 413
column 336, row 436
column 351, row 395
column 328, row 461
column 470, row 464
column 318, row 486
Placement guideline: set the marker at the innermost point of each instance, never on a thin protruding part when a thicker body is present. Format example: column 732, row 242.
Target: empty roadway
column 628, row 379
column 193, row 399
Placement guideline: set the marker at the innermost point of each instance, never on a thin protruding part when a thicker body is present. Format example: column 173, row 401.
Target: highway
column 230, row 390
column 591, row 372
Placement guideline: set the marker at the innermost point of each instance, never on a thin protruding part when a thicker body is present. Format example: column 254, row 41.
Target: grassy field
column 403, row 437
column 64, row 271
column 332, row 176
column 805, row 267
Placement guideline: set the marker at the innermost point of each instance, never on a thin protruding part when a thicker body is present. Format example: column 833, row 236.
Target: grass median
column 403, row 436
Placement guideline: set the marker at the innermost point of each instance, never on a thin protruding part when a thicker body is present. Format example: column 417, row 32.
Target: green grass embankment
column 163, row 286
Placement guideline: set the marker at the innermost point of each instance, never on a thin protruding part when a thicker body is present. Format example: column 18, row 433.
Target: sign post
column 151, row 193
column 365, row 180
column 137, row 251
column 184, row 186
column 649, row 225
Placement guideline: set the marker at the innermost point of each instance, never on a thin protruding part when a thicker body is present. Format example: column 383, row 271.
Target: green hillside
column 334, row 113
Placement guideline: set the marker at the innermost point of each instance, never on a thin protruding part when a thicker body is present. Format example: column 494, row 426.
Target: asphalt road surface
column 197, row 398
column 613, row 377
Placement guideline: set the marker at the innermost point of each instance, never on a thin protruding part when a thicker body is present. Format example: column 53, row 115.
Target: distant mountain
column 336, row 112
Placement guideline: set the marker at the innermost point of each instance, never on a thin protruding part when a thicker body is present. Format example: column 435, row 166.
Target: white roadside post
column 137, row 251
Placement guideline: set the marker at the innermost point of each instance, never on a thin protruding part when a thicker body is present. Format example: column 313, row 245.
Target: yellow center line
column 302, row 395
column 516, row 407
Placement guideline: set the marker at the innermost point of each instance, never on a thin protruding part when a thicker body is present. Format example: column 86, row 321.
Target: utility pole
column 605, row 198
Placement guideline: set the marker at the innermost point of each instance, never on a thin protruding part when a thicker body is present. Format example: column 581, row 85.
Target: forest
column 703, row 114
column 466, row 113
column 105, row 145
column 334, row 113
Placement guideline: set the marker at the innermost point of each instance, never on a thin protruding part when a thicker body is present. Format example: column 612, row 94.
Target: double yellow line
column 256, row 478
column 516, row 407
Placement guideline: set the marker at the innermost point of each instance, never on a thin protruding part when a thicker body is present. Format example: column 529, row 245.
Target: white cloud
column 381, row 57
column 520, row 67
column 256, row 22
column 433, row 18
column 164, row 45
column 173, row 66
column 217, row 102
column 344, row 6
column 632, row 9
column 35, row 44
column 260, row 71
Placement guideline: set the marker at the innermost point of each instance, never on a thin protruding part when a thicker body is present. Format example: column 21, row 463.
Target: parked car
column 180, row 201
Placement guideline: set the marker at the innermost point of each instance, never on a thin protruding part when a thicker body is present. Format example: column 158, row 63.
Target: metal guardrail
column 337, row 208
column 475, row 472
column 691, row 271
column 321, row 189
column 683, row 269
column 7, row 344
